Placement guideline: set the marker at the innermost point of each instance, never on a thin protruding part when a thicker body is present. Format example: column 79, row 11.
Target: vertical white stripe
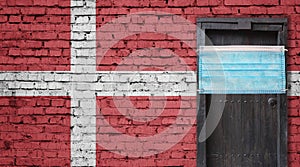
column 83, row 100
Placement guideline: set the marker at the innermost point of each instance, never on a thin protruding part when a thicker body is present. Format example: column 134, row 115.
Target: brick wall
column 39, row 126
column 35, row 35
column 35, row 131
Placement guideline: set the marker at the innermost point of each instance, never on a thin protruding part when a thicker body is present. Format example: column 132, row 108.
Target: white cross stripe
column 293, row 83
column 113, row 83
column 83, row 120
column 119, row 83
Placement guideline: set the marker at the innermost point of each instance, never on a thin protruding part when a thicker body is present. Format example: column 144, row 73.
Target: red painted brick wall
column 35, row 131
column 192, row 9
column 35, row 35
column 294, row 132
column 182, row 152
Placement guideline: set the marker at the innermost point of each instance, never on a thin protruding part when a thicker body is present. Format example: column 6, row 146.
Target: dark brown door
column 252, row 131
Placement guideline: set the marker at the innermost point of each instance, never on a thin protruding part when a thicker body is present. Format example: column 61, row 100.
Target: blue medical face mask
column 241, row 70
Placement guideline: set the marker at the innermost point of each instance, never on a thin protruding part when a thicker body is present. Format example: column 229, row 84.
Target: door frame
column 253, row 24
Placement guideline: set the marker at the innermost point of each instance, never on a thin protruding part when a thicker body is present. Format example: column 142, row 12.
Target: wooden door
column 253, row 129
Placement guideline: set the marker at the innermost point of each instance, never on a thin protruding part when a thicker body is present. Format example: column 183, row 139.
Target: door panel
column 241, row 37
column 252, row 130
column 246, row 134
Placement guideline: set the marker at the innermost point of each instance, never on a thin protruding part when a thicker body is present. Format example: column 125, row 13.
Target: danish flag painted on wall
column 105, row 83
column 57, row 110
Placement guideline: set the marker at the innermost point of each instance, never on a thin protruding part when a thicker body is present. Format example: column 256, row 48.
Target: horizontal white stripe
column 117, row 83
column 155, row 83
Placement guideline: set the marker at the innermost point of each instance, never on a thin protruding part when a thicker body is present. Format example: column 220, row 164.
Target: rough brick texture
column 35, row 131
column 190, row 10
column 181, row 154
column 35, row 35
column 294, row 131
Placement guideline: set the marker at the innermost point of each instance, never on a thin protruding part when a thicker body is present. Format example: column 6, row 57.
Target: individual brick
column 249, row 3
